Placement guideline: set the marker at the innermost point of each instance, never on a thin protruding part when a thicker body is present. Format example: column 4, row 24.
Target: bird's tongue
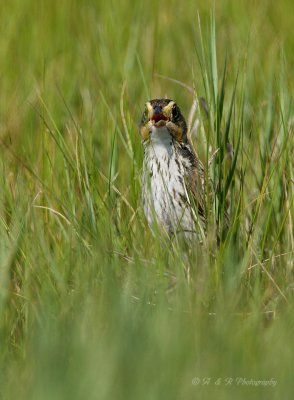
column 159, row 117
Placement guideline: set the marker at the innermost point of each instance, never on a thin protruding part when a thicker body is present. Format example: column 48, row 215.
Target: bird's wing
column 196, row 181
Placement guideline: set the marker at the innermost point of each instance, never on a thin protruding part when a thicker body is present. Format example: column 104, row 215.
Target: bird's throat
column 161, row 141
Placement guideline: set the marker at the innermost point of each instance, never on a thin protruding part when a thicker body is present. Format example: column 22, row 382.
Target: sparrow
column 173, row 177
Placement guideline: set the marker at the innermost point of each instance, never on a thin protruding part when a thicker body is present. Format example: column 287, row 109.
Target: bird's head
column 159, row 113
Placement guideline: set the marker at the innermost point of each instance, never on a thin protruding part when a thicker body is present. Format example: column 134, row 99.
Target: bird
column 173, row 177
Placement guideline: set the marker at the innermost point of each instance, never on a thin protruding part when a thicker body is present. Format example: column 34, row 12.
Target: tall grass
column 93, row 305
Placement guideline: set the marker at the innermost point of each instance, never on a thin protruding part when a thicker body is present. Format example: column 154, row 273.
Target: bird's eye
column 175, row 112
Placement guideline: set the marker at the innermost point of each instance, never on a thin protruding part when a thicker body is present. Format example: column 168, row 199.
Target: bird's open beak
column 158, row 118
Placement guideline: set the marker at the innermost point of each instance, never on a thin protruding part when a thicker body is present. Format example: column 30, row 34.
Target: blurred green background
column 92, row 304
